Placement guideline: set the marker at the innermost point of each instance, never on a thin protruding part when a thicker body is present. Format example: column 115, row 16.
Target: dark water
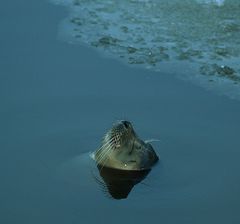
column 57, row 100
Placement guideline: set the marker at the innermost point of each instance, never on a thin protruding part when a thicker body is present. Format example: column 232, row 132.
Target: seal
column 122, row 149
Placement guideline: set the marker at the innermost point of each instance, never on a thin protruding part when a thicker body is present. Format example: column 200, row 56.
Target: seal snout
column 126, row 124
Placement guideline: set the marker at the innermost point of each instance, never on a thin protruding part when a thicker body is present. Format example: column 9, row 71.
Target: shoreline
column 208, row 66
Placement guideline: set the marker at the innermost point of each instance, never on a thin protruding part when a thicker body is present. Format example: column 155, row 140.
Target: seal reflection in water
column 123, row 159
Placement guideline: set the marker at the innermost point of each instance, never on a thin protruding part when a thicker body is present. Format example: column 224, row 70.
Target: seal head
column 122, row 149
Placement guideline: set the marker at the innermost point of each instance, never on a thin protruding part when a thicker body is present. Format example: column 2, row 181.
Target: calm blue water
column 57, row 101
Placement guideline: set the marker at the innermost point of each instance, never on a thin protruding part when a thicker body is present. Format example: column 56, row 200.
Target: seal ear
column 151, row 140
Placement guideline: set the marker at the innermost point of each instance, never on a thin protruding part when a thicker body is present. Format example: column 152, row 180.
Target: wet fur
column 122, row 149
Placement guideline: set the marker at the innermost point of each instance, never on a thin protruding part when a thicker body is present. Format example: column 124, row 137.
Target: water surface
column 58, row 99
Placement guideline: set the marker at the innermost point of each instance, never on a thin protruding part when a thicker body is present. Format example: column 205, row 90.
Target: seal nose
column 126, row 124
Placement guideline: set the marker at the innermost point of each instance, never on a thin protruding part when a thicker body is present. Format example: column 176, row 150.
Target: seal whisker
column 103, row 153
column 113, row 141
column 152, row 140
column 104, row 158
column 104, row 145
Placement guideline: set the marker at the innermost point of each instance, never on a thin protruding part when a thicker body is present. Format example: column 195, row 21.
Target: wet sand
column 58, row 99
